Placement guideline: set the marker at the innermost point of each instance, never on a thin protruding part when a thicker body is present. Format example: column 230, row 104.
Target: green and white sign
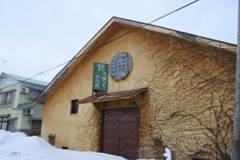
column 100, row 76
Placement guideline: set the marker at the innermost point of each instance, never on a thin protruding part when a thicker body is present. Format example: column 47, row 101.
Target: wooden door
column 120, row 132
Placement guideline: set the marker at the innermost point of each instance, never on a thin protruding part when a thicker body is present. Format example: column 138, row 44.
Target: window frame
column 74, row 106
column 3, row 121
column 32, row 90
column 5, row 98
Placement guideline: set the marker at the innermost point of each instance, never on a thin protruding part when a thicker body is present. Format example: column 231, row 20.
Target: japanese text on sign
column 100, row 76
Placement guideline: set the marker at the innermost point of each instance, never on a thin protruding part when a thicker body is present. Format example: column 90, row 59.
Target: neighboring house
column 18, row 113
column 151, row 88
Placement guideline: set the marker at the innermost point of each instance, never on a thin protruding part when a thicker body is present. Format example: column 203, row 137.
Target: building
column 18, row 113
column 137, row 88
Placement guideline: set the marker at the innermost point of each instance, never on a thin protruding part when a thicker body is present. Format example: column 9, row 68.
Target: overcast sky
column 36, row 35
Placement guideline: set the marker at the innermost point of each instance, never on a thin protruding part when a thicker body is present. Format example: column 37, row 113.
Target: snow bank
column 21, row 147
column 18, row 146
column 7, row 137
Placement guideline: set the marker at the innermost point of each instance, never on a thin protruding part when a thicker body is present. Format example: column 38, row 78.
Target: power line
column 107, row 42
column 4, row 61
column 42, row 24
column 175, row 10
column 165, row 10
column 140, row 27
column 35, row 31
column 25, row 80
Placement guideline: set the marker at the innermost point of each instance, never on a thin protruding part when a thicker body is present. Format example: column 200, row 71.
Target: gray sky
column 36, row 35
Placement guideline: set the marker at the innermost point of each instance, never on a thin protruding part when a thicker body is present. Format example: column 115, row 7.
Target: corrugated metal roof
column 26, row 106
column 33, row 81
column 112, row 96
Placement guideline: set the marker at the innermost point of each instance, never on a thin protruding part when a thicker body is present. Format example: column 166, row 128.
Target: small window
column 6, row 98
column 3, row 123
column 74, row 106
column 34, row 94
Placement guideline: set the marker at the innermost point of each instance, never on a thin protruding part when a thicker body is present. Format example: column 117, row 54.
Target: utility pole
column 236, row 127
column 4, row 61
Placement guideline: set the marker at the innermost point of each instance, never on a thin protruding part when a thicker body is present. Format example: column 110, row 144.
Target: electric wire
column 165, row 10
column 174, row 11
column 42, row 25
column 25, row 80
column 140, row 27
column 103, row 44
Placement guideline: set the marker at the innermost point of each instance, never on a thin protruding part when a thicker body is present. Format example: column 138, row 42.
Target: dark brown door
column 120, row 132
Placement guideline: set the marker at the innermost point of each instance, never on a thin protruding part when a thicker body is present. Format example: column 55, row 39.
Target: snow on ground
column 18, row 146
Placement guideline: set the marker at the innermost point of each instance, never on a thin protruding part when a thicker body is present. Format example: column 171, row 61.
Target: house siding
column 21, row 121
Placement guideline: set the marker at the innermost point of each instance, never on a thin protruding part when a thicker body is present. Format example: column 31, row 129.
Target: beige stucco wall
column 78, row 86
column 80, row 131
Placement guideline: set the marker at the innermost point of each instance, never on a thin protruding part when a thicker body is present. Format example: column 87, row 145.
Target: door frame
column 100, row 109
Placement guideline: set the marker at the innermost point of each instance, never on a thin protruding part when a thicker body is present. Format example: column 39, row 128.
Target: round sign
column 121, row 66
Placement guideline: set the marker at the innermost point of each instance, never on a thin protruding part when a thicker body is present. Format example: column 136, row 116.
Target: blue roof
column 24, row 79
column 26, row 106
column 35, row 119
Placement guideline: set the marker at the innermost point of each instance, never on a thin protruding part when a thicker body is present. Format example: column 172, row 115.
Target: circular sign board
column 121, row 66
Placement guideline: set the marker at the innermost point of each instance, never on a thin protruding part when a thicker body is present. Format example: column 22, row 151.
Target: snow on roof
column 21, row 147
column 33, row 81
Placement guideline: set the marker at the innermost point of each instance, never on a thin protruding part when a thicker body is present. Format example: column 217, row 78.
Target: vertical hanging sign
column 100, row 77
